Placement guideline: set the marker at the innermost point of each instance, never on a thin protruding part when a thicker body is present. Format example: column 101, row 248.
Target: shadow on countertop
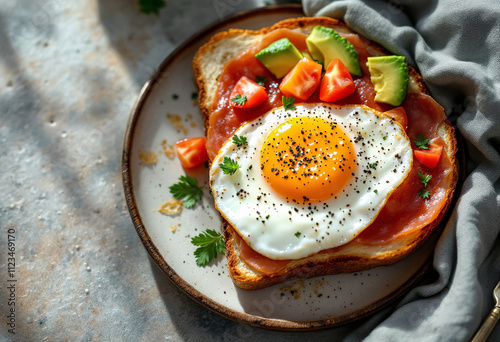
column 145, row 40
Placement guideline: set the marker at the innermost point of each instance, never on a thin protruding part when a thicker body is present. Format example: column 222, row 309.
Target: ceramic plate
column 166, row 112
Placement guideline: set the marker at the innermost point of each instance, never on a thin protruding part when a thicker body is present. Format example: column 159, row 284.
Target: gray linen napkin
column 455, row 44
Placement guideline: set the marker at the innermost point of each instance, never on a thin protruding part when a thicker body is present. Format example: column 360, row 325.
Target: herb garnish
column 210, row 243
column 194, row 96
column 187, row 188
column 229, row 166
column 422, row 142
column 261, row 80
column 297, row 234
column 151, row 6
column 239, row 100
column 424, row 179
column 424, row 193
column 288, row 102
column 239, row 140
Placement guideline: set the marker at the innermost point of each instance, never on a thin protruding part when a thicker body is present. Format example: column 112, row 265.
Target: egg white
column 280, row 229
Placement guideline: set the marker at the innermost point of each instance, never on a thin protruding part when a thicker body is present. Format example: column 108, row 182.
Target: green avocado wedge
column 325, row 44
column 279, row 57
column 389, row 75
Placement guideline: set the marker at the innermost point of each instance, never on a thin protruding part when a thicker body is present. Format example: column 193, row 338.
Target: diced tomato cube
column 247, row 94
column 302, row 80
column 192, row 152
column 337, row 82
column 430, row 157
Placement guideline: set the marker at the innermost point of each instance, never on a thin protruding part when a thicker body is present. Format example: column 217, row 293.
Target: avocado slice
column 325, row 44
column 389, row 75
column 279, row 57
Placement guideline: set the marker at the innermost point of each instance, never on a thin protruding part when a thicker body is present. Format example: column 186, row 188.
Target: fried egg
column 310, row 178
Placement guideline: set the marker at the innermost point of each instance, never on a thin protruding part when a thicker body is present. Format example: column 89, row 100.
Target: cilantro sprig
column 151, row 6
column 422, row 142
column 424, row 178
column 209, row 243
column 239, row 100
column 229, row 166
column 187, row 188
column 261, row 80
column 288, row 102
column 239, row 140
column 424, row 193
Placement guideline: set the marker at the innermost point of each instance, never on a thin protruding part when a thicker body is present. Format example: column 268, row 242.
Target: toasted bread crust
column 352, row 256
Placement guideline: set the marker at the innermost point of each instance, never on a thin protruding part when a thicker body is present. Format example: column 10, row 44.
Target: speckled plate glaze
column 300, row 305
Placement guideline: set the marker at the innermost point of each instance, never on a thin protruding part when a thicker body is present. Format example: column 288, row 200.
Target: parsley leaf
column 229, row 166
column 239, row 100
column 151, row 6
column 187, row 188
column 422, row 142
column 373, row 165
column 297, row 234
column 194, row 96
column 375, row 191
column 261, row 80
column 288, row 102
column 424, row 179
column 210, row 243
column 239, row 141
column 424, row 193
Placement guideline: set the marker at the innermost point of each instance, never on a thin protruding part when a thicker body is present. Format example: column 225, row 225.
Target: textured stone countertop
column 70, row 73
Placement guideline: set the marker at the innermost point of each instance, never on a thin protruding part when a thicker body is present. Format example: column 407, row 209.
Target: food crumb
column 172, row 207
column 176, row 121
column 168, row 150
column 295, row 289
column 191, row 121
column 148, row 158
column 173, row 227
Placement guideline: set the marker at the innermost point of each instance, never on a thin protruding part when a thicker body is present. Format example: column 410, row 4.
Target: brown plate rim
column 257, row 321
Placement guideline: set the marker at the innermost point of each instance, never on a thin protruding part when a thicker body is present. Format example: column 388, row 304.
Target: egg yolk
column 307, row 159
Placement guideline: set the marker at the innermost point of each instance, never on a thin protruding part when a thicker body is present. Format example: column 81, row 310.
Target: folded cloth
column 455, row 44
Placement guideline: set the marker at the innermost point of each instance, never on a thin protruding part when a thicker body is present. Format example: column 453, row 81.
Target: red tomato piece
column 192, row 152
column 302, row 80
column 247, row 94
column 398, row 114
column 337, row 82
column 430, row 157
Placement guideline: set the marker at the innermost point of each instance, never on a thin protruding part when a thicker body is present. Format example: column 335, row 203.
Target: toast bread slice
column 208, row 64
